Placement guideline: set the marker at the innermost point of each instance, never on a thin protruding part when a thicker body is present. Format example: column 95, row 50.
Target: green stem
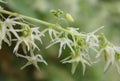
column 55, row 26
column 25, row 17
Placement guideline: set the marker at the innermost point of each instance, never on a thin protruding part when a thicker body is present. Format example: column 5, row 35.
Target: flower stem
column 55, row 26
column 25, row 17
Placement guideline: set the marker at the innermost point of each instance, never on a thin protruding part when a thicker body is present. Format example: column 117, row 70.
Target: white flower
column 63, row 43
column 7, row 27
column 117, row 56
column 53, row 33
column 92, row 40
column 4, row 35
column 35, row 34
column 9, row 24
column 109, row 57
column 32, row 59
column 74, row 31
column 75, row 60
column 28, row 39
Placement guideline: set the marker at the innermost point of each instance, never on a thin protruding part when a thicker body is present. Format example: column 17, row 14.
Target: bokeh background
column 88, row 15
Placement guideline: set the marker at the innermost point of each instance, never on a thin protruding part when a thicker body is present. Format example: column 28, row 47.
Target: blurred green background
column 88, row 15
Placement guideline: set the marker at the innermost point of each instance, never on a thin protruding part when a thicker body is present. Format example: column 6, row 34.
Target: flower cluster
column 28, row 39
column 24, row 36
column 63, row 43
column 7, row 28
column 79, row 44
column 111, row 53
column 76, row 42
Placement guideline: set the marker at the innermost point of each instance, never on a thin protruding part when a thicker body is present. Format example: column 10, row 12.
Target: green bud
column 57, row 13
column 26, row 30
column 69, row 17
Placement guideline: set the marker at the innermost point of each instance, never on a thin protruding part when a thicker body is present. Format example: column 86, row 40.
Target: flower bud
column 69, row 17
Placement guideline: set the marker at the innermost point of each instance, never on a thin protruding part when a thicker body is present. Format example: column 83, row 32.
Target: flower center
column 26, row 31
column 33, row 59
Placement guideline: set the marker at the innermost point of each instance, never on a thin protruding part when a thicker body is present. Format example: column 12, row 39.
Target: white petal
column 71, row 48
column 17, row 46
column 3, row 31
column 54, row 42
column 34, row 45
column 74, row 66
column 27, row 44
column 14, row 32
column 107, row 65
column 60, row 50
column 27, row 64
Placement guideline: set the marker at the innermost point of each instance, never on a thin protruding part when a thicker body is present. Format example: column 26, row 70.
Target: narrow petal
column 60, row 50
column 27, row 64
column 54, row 42
column 17, row 46
column 74, row 66
column 14, row 32
column 71, row 48
column 27, row 44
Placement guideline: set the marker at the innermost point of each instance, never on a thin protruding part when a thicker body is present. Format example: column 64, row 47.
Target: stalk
column 55, row 26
